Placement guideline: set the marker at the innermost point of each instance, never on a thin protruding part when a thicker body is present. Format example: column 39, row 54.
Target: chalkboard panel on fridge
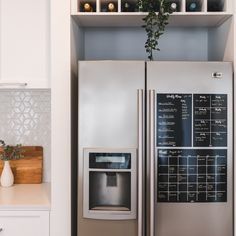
column 192, row 175
column 210, row 120
column 174, row 120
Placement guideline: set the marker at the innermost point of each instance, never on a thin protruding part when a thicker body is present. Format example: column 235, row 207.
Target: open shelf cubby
column 208, row 13
column 101, row 6
column 195, row 6
column 216, row 5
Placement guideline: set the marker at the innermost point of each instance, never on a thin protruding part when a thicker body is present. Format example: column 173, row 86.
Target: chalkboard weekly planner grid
column 191, row 174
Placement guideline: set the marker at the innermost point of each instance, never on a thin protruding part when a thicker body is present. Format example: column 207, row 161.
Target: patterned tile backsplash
column 25, row 117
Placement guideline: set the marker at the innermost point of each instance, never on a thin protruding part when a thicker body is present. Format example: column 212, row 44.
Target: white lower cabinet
column 24, row 223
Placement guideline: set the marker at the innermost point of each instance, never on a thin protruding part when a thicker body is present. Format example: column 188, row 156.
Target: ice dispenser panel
column 110, row 160
column 109, row 191
column 110, row 184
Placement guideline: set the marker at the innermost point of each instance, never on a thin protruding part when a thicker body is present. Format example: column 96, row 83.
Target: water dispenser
column 110, row 184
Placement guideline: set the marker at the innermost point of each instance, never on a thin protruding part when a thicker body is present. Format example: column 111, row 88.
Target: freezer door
column 190, row 134
column 109, row 103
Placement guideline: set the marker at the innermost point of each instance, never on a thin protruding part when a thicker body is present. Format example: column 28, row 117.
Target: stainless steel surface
column 110, row 116
column 151, row 158
column 101, row 195
column 102, row 201
column 108, row 111
column 13, row 84
column 205, row 219
column 141, row 202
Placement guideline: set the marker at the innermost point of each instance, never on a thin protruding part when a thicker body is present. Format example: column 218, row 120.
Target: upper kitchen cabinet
column 24, row 44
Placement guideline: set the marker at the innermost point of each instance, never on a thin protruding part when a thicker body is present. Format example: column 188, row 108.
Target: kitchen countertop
column 25, row 197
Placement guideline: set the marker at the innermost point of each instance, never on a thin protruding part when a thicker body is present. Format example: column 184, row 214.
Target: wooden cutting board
column 28, row 170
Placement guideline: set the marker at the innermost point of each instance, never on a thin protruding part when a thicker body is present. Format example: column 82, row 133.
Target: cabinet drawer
column 24, row 223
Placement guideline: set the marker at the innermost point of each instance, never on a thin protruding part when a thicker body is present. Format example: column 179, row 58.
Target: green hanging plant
column 155, row 23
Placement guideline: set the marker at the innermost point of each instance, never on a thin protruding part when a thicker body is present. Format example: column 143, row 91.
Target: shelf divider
column 183, row 6
column 119, row 6
column 204, row 7
column 98, row 6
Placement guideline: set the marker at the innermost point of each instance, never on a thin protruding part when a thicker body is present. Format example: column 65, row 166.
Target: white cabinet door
column 24, row 43
column 24, row 223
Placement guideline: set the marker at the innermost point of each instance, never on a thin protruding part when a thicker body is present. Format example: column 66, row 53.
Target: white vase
column 7, row 178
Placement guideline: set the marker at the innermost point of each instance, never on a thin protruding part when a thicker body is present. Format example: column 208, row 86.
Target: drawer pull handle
column 1, row 229
column 14, row 84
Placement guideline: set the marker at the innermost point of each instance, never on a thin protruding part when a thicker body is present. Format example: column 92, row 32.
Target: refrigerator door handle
column 140, row 161
column 152, row 157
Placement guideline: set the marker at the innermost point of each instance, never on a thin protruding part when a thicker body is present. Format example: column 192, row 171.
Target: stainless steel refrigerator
column 155, row 148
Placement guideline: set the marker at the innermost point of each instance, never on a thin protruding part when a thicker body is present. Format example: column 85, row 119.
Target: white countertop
column 25, row 197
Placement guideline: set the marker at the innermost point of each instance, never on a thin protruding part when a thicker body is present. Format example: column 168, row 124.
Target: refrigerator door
column 110, row 106
column 190, row 133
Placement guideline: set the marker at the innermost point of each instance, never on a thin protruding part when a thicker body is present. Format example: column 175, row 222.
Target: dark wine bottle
column 155, row 5
column 193, row 6
column 214, row 6
column 87, row 7
column 127, row 7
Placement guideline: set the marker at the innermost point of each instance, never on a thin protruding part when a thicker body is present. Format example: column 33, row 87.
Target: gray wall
column 128, row 44
column 25, row 117
column 218, row 38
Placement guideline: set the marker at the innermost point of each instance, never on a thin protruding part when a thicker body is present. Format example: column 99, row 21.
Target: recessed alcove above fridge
column 177, row 43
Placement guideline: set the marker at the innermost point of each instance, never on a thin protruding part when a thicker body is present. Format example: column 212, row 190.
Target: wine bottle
column 214, row 6
column 173, row 6
column 111, row 7
column 193, row 6
column 155, row 5
column 127, row 7
column 87, row 7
